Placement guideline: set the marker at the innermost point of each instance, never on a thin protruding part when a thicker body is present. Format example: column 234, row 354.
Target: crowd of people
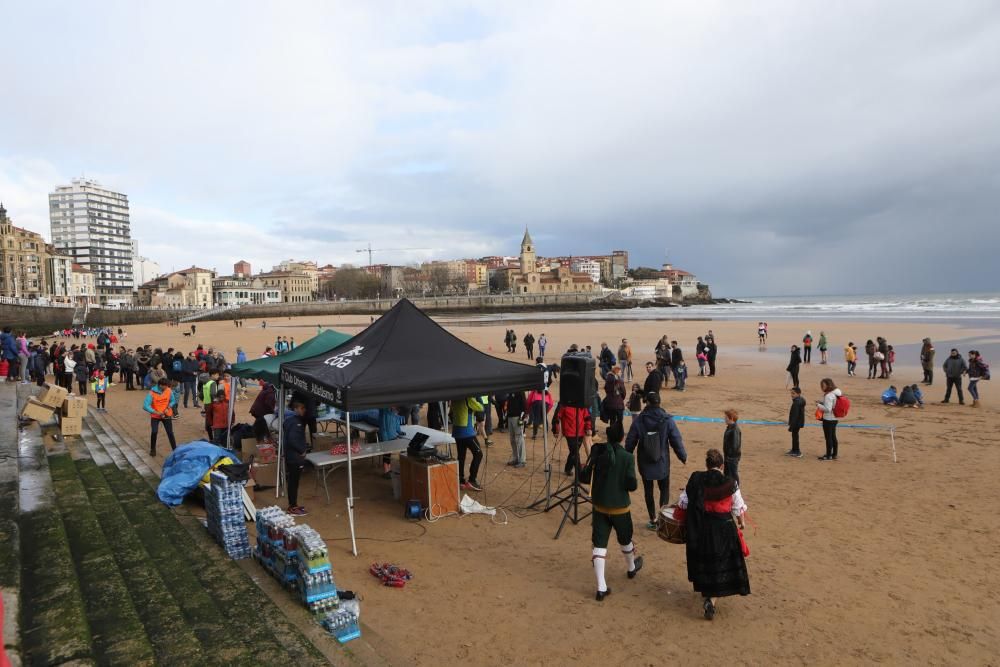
column 640, row 449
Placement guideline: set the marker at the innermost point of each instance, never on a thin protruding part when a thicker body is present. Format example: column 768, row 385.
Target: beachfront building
column 295, row 286
column 529, row 278
column 190, row 288
column 143, row 268
column 308, row 267
column 588, row 267
column 242, row 290
column 58, row 275
column 91, row 224
column 22, row 261
column 84, row 289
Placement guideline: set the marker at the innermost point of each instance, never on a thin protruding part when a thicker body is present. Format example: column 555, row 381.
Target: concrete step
column 54, row 626
column 250, row 614
column 117, row 635
column 172, row 638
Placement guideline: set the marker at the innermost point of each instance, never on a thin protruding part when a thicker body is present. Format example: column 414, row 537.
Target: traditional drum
column 670, row 526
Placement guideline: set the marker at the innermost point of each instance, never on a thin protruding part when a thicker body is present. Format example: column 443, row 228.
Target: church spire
column 526, row 241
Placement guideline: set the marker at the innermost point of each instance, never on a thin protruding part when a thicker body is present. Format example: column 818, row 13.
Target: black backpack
column 649, row 448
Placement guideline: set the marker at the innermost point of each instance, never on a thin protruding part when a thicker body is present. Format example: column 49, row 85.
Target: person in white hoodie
column 830, row 394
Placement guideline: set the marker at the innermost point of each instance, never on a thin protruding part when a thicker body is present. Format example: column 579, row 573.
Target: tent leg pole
column 281, row 451
column 547, row 464
column 350, row 488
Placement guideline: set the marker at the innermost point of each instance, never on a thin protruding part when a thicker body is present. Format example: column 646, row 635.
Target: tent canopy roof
column 269, row 368
column 405, row 357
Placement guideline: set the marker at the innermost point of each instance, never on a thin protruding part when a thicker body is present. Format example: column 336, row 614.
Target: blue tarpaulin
column 184, row 468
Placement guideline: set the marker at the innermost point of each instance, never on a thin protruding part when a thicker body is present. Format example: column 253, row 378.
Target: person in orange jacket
column 159, row 406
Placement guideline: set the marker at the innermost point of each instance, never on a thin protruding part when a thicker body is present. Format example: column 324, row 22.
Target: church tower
column 528, row 258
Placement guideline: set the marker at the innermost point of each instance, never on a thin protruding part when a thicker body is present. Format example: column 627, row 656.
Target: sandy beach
column 856, row 561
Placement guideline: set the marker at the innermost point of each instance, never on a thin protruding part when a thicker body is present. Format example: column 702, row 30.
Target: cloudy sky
column 769, row 147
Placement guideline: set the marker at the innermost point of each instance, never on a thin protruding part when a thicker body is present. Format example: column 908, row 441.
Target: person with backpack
column 978, row 370
column 158, row 404
column 796, row 421
column 653, row 431
column 807, row 346
column 828, row 412
column 732, row 445
column 954, row 368
column 610, row 471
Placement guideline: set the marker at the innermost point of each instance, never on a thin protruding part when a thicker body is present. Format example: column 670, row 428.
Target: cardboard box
column 35, row 409
column 263, row 452
column 266, row 475
column 52, row 396
column 74, row 406
column 71, row 425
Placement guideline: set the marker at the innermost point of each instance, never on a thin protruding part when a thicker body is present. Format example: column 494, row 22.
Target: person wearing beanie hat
column 611, row 472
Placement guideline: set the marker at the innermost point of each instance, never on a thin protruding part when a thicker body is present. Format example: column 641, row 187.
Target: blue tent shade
column 268, row 368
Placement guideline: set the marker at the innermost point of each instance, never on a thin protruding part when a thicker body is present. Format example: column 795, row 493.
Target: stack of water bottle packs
column 297, row 556
column 276, row 544
column 226, row 523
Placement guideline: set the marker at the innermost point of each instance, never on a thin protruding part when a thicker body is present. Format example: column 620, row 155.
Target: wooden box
column 434, row 483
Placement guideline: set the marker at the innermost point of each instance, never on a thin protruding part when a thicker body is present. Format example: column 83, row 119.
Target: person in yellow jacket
column 851, row 357
column 463, row 429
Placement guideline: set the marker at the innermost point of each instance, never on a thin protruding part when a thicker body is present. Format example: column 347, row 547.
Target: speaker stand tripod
column 574, row 496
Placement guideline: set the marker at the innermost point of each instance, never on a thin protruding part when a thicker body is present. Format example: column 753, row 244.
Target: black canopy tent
column 405, row 357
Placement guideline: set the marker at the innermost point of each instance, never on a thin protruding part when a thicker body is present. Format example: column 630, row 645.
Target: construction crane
column 369, row 249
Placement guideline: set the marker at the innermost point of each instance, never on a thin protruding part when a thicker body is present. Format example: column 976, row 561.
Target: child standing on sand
column 702, row 360
column 796, row 420
column 101, row 388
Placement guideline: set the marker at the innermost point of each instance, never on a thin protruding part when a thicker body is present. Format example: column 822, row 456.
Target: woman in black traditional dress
column 715, row 558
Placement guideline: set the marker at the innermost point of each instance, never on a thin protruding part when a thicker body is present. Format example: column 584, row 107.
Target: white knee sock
column 598, row 558
column 629, row 551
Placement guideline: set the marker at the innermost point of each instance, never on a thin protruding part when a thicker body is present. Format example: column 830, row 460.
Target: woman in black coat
column 793, row 365
column 614, row 396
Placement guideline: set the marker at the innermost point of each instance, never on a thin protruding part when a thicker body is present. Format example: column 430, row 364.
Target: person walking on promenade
column 978, row 370
column 796, row 420
column 830, row 395
column 927, row 361
column 794, row 361
column 822, row 347
column 954, row 368
column 654, row 433
column 529, row 345
column 807, row 346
